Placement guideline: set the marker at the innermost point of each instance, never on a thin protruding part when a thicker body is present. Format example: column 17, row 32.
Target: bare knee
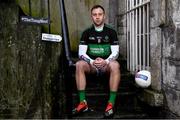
column 114, row 66
column 81, row 65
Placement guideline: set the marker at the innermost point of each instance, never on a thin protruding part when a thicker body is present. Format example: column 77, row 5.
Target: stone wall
column 164, row 49
column 121, row 27
column 30, row 80
column 171, row 56
column 164, row 46
column 157, row 19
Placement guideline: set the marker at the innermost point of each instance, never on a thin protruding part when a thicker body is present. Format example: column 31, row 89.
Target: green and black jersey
column 99, row 42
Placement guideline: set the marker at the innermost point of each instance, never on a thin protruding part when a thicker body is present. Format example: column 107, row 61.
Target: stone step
column 102, row 94
column 125, row 107
column 122, row 115
column 98, row 101
column 100, row 89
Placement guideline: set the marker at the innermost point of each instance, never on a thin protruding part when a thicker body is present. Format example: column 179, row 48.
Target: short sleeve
column 114, row 38
column 83, row 38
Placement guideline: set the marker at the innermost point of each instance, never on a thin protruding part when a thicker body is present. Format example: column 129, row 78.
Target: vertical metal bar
column 140, row 35
column 148, row 37
column 30, row 8
column 49, row 17
column 136, row 49
column 144, row 37
column 133, row 26
column 137, row 36
column 65, row 32
column 130, row 36
column 67, row 60
column 128, row 60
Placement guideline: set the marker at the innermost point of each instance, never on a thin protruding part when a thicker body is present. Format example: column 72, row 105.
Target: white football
column 143, row 78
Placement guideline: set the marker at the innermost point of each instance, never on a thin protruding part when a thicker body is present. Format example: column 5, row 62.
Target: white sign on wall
column 32, row 20
column 51, row 37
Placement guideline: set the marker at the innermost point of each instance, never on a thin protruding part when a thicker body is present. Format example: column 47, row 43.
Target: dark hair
column 97, row 6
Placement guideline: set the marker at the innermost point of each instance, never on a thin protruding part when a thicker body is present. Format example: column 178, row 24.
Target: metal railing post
column 49, row 17
column 30, row 8
column 65, row 32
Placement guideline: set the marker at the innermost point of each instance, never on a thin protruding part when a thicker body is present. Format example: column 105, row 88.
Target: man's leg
column 114, row 71
column 81, row 69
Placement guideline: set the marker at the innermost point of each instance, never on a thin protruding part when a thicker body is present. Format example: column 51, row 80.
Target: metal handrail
column 49, row 25
column 65, row 32
column 30, row 8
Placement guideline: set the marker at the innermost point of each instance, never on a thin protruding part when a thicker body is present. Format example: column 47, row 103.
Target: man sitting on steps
column 98, row 51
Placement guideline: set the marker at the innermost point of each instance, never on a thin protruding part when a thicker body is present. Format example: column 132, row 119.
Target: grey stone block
column 172, row 99
column 151, row 97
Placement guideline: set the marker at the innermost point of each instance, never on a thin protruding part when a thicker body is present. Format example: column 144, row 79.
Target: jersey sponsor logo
column 100, row 50
column 97, row 50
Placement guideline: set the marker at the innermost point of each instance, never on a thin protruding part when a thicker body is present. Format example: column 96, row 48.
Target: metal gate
column 138, row 35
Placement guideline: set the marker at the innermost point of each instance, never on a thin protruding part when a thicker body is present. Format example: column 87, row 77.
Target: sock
column 112, row 97
column 81, row 95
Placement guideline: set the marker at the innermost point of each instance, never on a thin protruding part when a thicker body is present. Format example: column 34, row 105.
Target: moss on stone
column 29, row 68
